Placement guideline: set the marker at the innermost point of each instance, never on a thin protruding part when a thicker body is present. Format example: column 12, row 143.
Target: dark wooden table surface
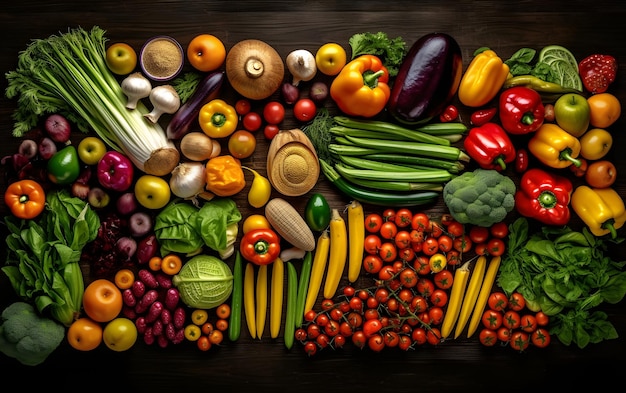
column 248, row 365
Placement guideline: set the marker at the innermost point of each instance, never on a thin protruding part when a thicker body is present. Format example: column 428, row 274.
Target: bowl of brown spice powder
column 161, row 58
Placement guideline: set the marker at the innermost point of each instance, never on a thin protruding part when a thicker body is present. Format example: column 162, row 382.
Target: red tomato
column 252, row 121
column 455, row 229
column 511, row 320
column 499, row 230
column 389, row 215
column 498, row 301
column 421, row 265
column 373, row 222
column 496, row 247
column 488, row 337
column 376, row 343
column 339, row 341
column 406, row 254
column 402, row 239
column 404, row 342
column 310, row 315
column 391, row 338
column 542, row 318
column 436, row 315
column 270, row 131
column 408, row 277
column 444, row 279
column 425, row 287
column 417, row 236
column 481, row 249
column 435, row 229
column 504, row 334
column 491, row 319
column 519, row 340
column 419, row 304
column 354, row 319
column 406, row 295
column 322, row 340
column 349, row 291
column 528, row 323
column 388, row 230
column 540, row 338
column 345, row 329
column 403, row 217
column 419, row 335
column 327, row 304
column 359, row 340
column 420, row 222
column 517, row 302
column 312, row 331
column 322, row 320
column 479, row 234
column 386, row 273
column 430, row 246
column 241, row 144
column 382, row 295
column 300, row 334
column 433, row 336
column 310, row 348
column 445, row 243
column 439, row 298
column 274, row 112
column 372, row 304
column 372, row 264
column 388, row 252
column 372, row 244
column 304, row 109
column 371, row 327
column 463, row 243
column 242, row 106
column 453, row 257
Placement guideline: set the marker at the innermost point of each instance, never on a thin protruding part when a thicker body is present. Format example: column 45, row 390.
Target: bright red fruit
column 597, row 72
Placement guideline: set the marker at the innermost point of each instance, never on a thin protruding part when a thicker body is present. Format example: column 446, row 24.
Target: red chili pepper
column 544, row 197
column 449, row 114
column 521, row 110
column 490, row 146
column 521, row 160
column 260, row 246
column 483, row 116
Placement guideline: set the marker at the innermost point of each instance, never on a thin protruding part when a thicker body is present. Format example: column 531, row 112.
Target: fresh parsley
column 391, row 51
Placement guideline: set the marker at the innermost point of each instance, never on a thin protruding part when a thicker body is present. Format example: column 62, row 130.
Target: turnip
column 58, row 128
column 140, row 224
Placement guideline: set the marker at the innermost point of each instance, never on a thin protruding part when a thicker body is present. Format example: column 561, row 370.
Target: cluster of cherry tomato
column 205, row 331
column 509, row 322
column 401, row 238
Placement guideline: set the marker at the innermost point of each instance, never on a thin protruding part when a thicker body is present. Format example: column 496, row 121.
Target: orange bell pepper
column 361, row 87
column 26, row 199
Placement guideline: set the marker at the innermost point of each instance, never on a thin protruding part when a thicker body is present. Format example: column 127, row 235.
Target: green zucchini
column 303, row 286
column 290, row 314
column 234, row 325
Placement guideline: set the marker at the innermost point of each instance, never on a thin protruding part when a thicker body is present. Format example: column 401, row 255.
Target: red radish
column 58, row 128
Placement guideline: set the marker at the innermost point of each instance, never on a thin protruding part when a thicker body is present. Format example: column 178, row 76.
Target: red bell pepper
column 544, row 197
column 490, row 146
column 521, row 110
column 260, row 246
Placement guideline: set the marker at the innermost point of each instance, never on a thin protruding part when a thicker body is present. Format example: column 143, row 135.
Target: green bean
column 292, row 295
column 416, row 148
column 234, row 325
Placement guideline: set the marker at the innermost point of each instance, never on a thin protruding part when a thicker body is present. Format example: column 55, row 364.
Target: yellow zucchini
column 276, row 305
column 261, row 300
column 248, row 299
column 476, row 279
column 337, row 255
column 356, row 239
column 483, row 296
column 317, row 271
column 456, row 298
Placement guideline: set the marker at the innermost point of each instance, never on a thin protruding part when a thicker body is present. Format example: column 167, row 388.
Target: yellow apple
column 91, row 149
column 330, row 58
column 152, row 192
column 121, row 58
column 120, row 334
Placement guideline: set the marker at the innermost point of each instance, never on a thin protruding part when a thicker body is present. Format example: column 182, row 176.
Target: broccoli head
column 482, row 197
column 28, row 336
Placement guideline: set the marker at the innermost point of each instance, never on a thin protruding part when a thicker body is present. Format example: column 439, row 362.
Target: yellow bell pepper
column 601, row 209
column 554, row 146
column 224, row 176
column 218, row 119
column 483, row 79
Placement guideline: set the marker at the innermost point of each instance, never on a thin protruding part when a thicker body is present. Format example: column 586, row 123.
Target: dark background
column 583, row 27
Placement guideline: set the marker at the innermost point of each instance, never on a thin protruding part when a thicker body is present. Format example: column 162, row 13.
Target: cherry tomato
column 310, row 315
column 312, row 331
column 388, row 230
column 203, row 343
column 241, row 144
column 403, row 218
column 517, row 302
column 419, row 304
column 270, row 131
column 488, row 337
column 481, row 249
column 359, row 340
column 491, row 319
column 376, row 342
column 386, row 273
column 300, row 334
column 221, row 324
column 354, row 319
column 450, row 113
column 322, row 340
column 391, row 338
column 435, row 229
column 372, row 243
column 243, row 106
column 540, row 338
column 511, row 320
column 372, row 264
column 435, row 314
column 345, row 329
column 420, row 221
column 417, row 236
column 528, row 323
column 310, row 348
column 339, row 341
column 504, row 334
column 327, row 304
column 373, row 222
column 406, row 254
column 433, row 336
column 519, row 340
column 495, row 247
column 274, row 112
column 445, row 243
column 252, row 121
column 463, row 243
column 455, row 228
column 304, row 109
column 335, row 315
column 430, row 246
column 439, row 297
column 402, row 239
column 444, row 279
column 372, row 303
column 349, row 291
column 454, row 257
column 498, row 301
column 322, row 320
column 408, row 277
column 479, row 234
column 542, row 318
column 388, row 252
column 425, row 287
column 404, row 342
column 419, row 336
column 216, row 337
column 421, row 264
column 389, row 215
column 499, row 230
column 371, row 327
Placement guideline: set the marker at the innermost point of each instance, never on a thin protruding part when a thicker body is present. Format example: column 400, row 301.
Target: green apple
column 121, row 58
column 120, row 334
column 572, row 113
column 91, row 149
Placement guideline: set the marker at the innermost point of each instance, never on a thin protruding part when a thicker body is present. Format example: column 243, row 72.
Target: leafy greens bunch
column 565, row 274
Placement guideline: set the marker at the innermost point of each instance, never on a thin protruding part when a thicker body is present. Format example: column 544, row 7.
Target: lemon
column 564, row 65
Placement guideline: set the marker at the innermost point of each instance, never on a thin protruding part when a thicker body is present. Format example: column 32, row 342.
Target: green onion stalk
column 68, row 74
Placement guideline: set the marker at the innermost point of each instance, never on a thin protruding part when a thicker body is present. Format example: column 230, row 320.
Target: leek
column 67, row 74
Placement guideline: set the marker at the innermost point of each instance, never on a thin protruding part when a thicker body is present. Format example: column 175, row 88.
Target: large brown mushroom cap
column 254, row 69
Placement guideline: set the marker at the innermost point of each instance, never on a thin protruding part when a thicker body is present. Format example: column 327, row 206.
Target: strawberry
column 597, row 72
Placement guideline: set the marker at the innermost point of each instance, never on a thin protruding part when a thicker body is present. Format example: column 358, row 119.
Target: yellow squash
column 338, row 254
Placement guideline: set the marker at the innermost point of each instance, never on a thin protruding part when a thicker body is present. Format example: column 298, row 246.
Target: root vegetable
column 290, row 93
column 126, row 246
column 301, row 64
column 126, row 203
column 58, row 128
column 28, row 148
column 47, row 148
column 147, row 277
column 164, row 99
column 146, row 249
column 140, row 224
column 198, row 146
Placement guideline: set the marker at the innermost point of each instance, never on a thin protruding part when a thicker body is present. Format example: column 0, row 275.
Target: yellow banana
column 261, row 300
column 356, row 238
column 337, row 255
column 248, row 299
column 469, row 301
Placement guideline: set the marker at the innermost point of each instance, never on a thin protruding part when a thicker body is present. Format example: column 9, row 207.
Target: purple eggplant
column 427, row 80
column 207, row 89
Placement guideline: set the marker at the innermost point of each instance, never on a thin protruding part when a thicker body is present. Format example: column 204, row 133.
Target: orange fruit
column 206, row 52
column 605, row 109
